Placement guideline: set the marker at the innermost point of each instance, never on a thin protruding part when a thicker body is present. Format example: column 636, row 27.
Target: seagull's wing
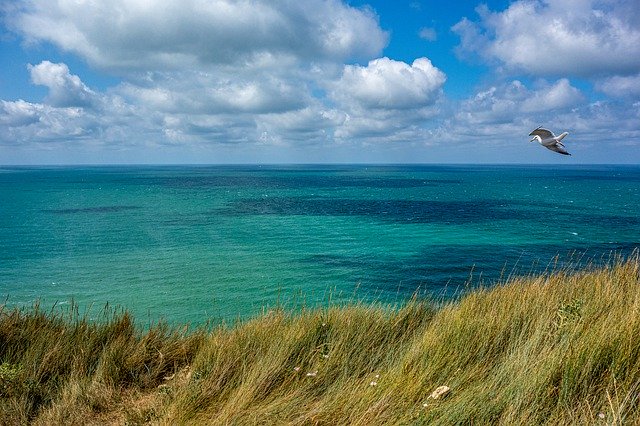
column 557, row 148
column 543, row 133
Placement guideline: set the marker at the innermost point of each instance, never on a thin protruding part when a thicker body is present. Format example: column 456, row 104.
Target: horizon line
column 307, row 164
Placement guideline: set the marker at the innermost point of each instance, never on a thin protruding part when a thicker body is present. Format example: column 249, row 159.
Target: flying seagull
column 547, row 139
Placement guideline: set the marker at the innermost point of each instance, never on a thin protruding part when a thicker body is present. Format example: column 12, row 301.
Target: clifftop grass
column 560, row 348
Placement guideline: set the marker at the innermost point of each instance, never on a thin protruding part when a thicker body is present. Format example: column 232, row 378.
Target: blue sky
column 264, row 81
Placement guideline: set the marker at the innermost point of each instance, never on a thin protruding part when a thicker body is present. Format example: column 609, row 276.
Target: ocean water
column 198, row 243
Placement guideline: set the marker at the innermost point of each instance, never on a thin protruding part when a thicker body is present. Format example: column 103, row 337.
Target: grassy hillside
column 562, row 348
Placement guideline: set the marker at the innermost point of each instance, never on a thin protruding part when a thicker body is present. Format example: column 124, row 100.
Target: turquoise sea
column 198, row 243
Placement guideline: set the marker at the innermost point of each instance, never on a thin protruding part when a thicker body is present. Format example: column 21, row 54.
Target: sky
column 317, row 81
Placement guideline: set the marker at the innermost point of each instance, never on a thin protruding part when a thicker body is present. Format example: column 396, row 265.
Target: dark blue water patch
column 565, row 214
column 397, row 211
column 442, row 270
column 607, row 221
column 551, row 208
column 299, row 181
column 100, row 209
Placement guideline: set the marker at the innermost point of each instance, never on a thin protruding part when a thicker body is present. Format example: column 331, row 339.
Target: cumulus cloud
column 71, row 113
column 594, row 40
column 18, row 113
column 385, row 101
column 36, row 123
column 65, row 89
column 193, row 73
column 556, row 37
column 387, row 98
column 310, row 125
column 385, row 83
column 212, row 93
column 621, row 86
column 550, row 98
column 514, row 102
column 386, row 126
column 502, row 115
column 143, row 34
column 256, row 74
column 224, row 72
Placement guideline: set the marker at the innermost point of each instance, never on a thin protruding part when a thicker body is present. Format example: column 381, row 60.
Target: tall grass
column 558, row 348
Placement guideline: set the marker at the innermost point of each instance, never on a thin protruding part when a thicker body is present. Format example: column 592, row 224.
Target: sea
column 209, row 244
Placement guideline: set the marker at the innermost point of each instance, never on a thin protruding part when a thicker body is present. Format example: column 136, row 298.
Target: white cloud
column 207, row 130
column 502, row 116
column 598, row 40
column 213, row 93
column 28, row 123
column 387, row 100
column 260, row 74
column 18, row 113
column 388, row 84
column 313, row 124
column 384, row 101
column 386, row 126
column 513, row 101
column 65, row 89
column 72, row 113
column 557, row 37
column 621, row 87
column 153, row 34
column 194, row 73
column 550, row 98
column 224, row 72
column 428, row 34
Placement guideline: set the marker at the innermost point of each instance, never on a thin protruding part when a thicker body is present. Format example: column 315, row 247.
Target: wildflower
column 425, row 405
column 324, row 324
column 377, row 376
column 601, row 415
column 373, row 384
column 313, row 374
column 296, row 368
column 325, row 355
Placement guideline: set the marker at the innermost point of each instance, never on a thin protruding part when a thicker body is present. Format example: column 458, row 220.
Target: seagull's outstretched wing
column 543, row 133
column 557, row 148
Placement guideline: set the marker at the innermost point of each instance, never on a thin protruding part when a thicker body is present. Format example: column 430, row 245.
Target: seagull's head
column 535, row 138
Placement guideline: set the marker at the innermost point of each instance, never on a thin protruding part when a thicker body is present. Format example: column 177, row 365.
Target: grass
column 559, row 348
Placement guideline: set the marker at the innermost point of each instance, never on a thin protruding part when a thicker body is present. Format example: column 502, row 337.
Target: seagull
column 547, row 139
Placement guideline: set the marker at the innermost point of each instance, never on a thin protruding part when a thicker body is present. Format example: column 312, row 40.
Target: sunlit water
column 194, row 243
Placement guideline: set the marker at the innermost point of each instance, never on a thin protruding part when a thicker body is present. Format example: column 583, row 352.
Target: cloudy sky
column 317, row 81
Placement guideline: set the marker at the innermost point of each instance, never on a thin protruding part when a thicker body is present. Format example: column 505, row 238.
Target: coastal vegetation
column 561, row 347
